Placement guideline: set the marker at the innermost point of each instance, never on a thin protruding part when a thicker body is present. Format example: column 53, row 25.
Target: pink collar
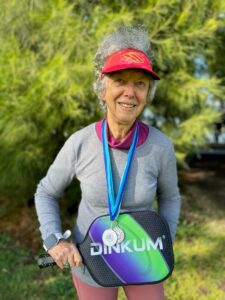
column 126, row 142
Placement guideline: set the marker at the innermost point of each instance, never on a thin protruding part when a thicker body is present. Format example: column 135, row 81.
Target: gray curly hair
column 124, row 37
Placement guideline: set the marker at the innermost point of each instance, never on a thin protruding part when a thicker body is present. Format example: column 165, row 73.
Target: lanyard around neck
column 114, row 204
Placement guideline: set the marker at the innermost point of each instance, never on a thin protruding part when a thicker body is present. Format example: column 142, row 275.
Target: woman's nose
column 129, row 90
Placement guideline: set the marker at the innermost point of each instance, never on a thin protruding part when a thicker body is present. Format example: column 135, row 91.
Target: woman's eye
column 140, row 83
column 119, row 80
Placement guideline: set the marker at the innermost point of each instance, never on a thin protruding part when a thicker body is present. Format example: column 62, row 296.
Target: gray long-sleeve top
column 153, row 173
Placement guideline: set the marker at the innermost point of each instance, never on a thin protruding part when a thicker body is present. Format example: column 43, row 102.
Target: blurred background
column 46, row 78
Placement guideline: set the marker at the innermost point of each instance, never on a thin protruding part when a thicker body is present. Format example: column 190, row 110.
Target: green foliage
column 46, row 75
column 218, row 62
column 45, row 88
column 180, row 31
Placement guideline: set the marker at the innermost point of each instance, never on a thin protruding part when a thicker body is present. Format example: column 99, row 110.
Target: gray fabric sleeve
column 51, row 187
column 168, row 191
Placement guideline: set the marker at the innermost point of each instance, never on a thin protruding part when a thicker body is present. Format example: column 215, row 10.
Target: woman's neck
column 117, row 130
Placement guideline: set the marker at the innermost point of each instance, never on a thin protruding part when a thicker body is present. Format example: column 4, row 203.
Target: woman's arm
column 49, row 190
column 168, row 191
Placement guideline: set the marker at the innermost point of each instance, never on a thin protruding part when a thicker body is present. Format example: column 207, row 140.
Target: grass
column 199, row 249
column 20, row 277
column 199, row 254
column 200, row 265
column 199, row 272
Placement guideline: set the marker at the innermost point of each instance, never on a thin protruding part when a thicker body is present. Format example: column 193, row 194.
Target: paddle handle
column 45, row 260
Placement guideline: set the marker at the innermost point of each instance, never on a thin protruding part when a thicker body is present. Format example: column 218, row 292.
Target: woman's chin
column 127, row 119
column 127, row 115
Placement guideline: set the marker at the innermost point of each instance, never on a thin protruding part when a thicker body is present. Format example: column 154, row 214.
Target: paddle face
column 144, row 256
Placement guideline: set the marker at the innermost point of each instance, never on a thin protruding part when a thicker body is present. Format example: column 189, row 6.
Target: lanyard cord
column 115, row 204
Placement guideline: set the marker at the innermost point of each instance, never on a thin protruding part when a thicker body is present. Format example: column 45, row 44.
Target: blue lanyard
column 114, row 204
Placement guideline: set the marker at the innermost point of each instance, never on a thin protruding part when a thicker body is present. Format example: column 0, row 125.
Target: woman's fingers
column 74, row 259
column 66, row 252
column 77, row 257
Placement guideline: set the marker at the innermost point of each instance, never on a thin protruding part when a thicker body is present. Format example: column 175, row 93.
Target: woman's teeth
column 127, row 105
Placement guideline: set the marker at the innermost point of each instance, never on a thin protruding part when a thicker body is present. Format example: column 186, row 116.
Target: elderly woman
column 125, row 82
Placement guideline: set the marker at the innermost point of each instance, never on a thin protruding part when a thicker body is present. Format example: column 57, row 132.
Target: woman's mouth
column 126, row 105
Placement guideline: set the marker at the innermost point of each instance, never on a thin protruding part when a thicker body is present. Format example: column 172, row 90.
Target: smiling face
column 125, row 95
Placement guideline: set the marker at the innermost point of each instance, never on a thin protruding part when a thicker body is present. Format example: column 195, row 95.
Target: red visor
column 128, row 59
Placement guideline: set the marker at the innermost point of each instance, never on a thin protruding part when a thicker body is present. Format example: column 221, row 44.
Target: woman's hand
column 65, row 252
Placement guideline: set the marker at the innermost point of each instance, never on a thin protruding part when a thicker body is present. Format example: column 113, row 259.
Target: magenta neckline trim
column 126, row 142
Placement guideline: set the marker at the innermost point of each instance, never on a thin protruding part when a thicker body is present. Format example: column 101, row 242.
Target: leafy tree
column 217, row 64
column 46, row 75
column 181, row 31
